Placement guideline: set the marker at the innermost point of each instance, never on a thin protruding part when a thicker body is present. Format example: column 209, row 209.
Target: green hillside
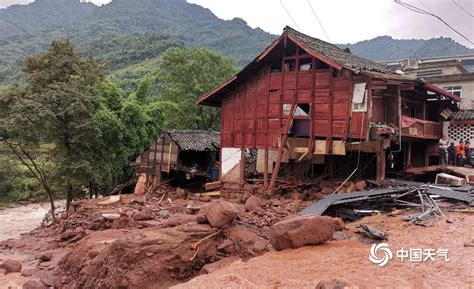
column 385, row 48
column 102, row 27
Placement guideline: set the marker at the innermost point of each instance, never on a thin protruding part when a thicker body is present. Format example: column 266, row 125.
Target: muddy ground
column 162, row 241
column 347, row 260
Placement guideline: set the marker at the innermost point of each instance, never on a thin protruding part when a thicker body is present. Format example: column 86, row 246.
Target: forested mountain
column 386, row 48
column 92, row 25
column 127, row 32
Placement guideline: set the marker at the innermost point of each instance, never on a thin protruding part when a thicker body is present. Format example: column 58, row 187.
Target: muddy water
column 21, row 219
column 348, row 260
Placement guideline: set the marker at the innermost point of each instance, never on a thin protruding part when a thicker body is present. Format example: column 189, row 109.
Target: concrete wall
column 467, row 93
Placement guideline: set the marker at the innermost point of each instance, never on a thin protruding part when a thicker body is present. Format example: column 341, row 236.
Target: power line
column 319, row 21
column 288, row 12
column 424, row 5
column 462, row 8
column 424, row 12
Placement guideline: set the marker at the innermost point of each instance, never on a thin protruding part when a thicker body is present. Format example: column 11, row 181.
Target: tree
column 17, row 112
column 56, row 107
column 186, row 75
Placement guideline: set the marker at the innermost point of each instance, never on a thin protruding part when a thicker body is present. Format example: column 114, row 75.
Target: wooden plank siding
column 252, row 114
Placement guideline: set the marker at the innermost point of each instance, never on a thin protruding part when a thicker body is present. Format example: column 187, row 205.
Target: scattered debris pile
column 404, row 194
column 169, row 236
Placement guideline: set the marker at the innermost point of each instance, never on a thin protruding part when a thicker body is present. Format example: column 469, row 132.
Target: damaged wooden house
column 182, row 157
column 311, row 108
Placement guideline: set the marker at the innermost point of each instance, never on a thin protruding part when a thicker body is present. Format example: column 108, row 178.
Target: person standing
column 460, row 154
column 467, row 152
column 452, row 154
column 443, row 146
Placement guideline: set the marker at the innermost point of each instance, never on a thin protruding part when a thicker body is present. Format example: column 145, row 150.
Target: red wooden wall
column 252, row 114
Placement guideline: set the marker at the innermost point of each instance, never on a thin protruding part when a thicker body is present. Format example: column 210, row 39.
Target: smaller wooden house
column 181, row 154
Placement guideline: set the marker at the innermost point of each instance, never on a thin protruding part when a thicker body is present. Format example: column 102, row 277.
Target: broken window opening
column 306, row 64
column 302, row 109
column 290, row 65
column 276, row 65
column 286, row 107
column 359, row 98
column 321, row 65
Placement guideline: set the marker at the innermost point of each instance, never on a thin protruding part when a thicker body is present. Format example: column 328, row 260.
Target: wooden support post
column 281, row 148
column 155, row 147
column 408, row 162
column 311, row 110
column 242, row 166
column 161, row 159
column 265, row 168
column 380, row 175
column 331, row 108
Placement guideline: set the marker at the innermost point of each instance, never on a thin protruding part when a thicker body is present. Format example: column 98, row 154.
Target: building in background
column 454, row 74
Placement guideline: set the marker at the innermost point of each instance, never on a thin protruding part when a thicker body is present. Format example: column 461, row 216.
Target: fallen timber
column 463, row 194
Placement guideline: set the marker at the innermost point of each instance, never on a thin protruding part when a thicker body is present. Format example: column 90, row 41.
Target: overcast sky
column 345, row 21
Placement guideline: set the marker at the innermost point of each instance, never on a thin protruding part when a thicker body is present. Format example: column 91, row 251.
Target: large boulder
column 11, row 266
column 221, row 213
column 300, row 231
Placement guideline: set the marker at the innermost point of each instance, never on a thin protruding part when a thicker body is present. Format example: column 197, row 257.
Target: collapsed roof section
column 326, row 52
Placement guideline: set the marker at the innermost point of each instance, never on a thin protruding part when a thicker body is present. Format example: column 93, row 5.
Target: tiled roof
column 196, row 140
column 336, row 54
column 463, row 115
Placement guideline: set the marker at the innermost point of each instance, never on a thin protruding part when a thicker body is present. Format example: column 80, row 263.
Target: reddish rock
column 301, row 231
column 201, row 219
column 180, row 219
column 337, row 284
column 44, row 257
column 28, row 272
column 209, row 268
column 327, row 191
column 252, row 202
column 226, row 246
column 360, row 185
column 339, row 224
column 203, row 209
column 11, row 266
column 247, row 241
column 93, row 253
column 221, row 213
column 69, row 234
column 296, row 196
column 33, row 284
column 350, row 188
column 143, row 215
